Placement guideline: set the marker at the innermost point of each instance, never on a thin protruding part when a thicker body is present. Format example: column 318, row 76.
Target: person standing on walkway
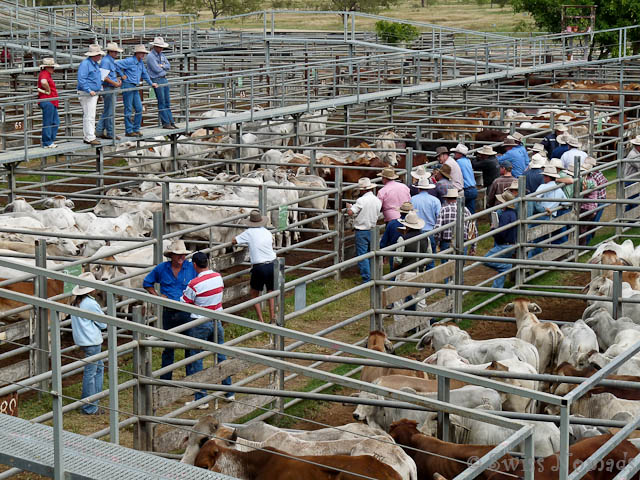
column 501, row 183
column 173, row 276
column 205, row 291
column 487, row 163
column 87, row 335
column 468, row 178
column 89, row 85
column 366, row 211
column 447, row 215
column 262, row 258
column 515, row 155
column 109, row 84
column 392, row 194
column 455, row 174
column 47, row 90
column 428, row 208
column 550, row 142
column 503, row 240
column 133, row 72
column 443, row 183
column 158, row 66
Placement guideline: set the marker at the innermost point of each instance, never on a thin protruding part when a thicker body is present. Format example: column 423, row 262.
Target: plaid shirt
column 590, row 183
column 600, row 179
column 448, row 215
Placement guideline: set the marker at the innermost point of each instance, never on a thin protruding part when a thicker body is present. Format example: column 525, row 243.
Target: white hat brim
column 79, row 290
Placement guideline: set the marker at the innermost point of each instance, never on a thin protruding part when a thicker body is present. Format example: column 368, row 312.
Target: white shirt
column 569, row 156
column 367, row 210
column 260, row 244
column 554, row 196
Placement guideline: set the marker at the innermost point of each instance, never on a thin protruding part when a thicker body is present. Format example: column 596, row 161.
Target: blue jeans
column 171, row 319
column 92, row 378
column 500, row 267
column 50, row 123
column 107, row 120
column 363, row 242
column 564, row 239
column 470, row 195
column 164, row 101
column 131, row 101
column 205, row 332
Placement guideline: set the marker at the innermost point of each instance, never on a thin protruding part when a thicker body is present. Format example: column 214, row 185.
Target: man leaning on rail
column 133, row 72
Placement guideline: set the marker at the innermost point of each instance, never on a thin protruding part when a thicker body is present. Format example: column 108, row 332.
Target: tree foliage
column 220, row 7
column 367, row 6
column 392, row 32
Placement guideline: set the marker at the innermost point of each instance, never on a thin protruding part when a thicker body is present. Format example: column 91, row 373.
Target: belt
column 265, row 263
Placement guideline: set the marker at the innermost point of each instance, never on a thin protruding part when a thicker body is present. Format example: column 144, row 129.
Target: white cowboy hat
column 506, row 196
column 486, row 150
column 537, row 147
column 550, row 171
column 159, row 42
column 406, row 207
column 561, row 128
column 562, row 139
column 140, row 49
column 517, row 136
column 461, row 148
column 425, row 184
column 573, row 141
column 256, row 220
column 634, row 141
column 590, row 161
column 178, row 247
column 513, row 186
column 49, row 62
column 537, row 161
column 388, row 173
column 364, row 183
column 420, row 172
column 94, row 49
column 113, row 47
column 556, row 163
column 79, row 290
column 412, row 220
column 451, row 193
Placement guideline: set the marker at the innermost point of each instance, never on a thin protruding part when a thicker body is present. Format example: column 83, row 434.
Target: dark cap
column 200, row 259
column 507, row 165
column 441, row 150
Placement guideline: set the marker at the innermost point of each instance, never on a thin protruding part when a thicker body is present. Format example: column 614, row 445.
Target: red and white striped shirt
column 205, row 291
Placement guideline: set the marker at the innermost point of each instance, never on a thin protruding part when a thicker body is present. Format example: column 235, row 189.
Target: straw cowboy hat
column 94, row 49
column 486, row 150
column 425, row 184
column 113, row 47
column 177, row 247
column 159, row 42
column 388, row 173
column 256, row 220
column 49, row 62
column 537, row 147
column 140, row 49
column 550, row 171
column 445, row 170
column 451, row 193
column 517, row 136
column 441, row 150
column 561, row 128
column 412, row 220
column 513, row 186
column 537, row 161
column 406, row 207
column 506, row 196
column 556, row 163
column 573, row 141
column 590, row 161
column 420, row 172
column 365, row 184
column 562, row 139
column 510, row 142
column 79, row 290
column 461, row 148
column 634, row 141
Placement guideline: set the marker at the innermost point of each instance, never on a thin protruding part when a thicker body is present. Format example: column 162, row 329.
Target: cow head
column 600, row 286
column 58, row 201
column 378, row 341
column 105, row 273
column 208, row 455
column 199, row 435
column 18, row 205
column 523, row 303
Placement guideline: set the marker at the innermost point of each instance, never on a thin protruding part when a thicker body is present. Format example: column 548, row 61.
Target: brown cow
column 568, row 370
column 272, row 464
column 54, row 287
column 378, row 341
column 448, row 459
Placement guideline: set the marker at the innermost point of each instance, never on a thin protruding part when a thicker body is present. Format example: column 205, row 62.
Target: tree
column 367, row 6
column 220, row 7
column 609, row 14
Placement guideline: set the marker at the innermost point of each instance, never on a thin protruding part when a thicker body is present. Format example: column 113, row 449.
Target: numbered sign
column 9, row 405
column 283, row 216
column 76, row 270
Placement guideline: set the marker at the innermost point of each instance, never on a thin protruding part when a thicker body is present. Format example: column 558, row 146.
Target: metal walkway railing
column 29, row 446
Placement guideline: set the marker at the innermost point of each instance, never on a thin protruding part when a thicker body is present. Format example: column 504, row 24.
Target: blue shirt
column 467, row 172
column 559, row 151
column 157, row 64
column 554, row 197
column 87, row 332
column 534, row 179
column 108, row 63
column 391, row 233
column 170, row 286
column 518, row 158
column 89, row 78
column 428, row 208
column 134, row 70
column 505, row 217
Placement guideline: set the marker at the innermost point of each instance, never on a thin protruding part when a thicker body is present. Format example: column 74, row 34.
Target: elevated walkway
column 29, row 446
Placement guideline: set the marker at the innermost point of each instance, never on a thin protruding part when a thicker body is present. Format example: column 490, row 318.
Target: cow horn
column 508, row 308
column 534, row 308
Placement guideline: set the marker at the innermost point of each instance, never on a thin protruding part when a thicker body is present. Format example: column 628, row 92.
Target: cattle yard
column 341, row 105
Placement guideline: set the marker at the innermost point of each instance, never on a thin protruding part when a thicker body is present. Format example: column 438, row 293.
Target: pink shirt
column 456, row 173
column 392, row 195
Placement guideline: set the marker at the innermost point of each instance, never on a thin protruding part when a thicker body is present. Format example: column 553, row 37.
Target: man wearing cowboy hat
column 87, row 334
column 173, row 276
column 426, row 206
column 49, row 106
column 447, row 215
column 534, row 173
column 569, row 157
column 133, row 72
column 89, row 85
column 262, row 258
column 516, row 154
column 562, row 147
column 487, row 163
column 110, row 83
column 501, row 183
column 158, row 66
column 537, row 148
column 442, row 179
column 391, row 233
column 505, row 239
column 413, row 226
column 468, row 178
column 392, row 194
column 550, row 141
column 366, row 211
column 416, row 174
column 442, row 154
column 553, row 196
